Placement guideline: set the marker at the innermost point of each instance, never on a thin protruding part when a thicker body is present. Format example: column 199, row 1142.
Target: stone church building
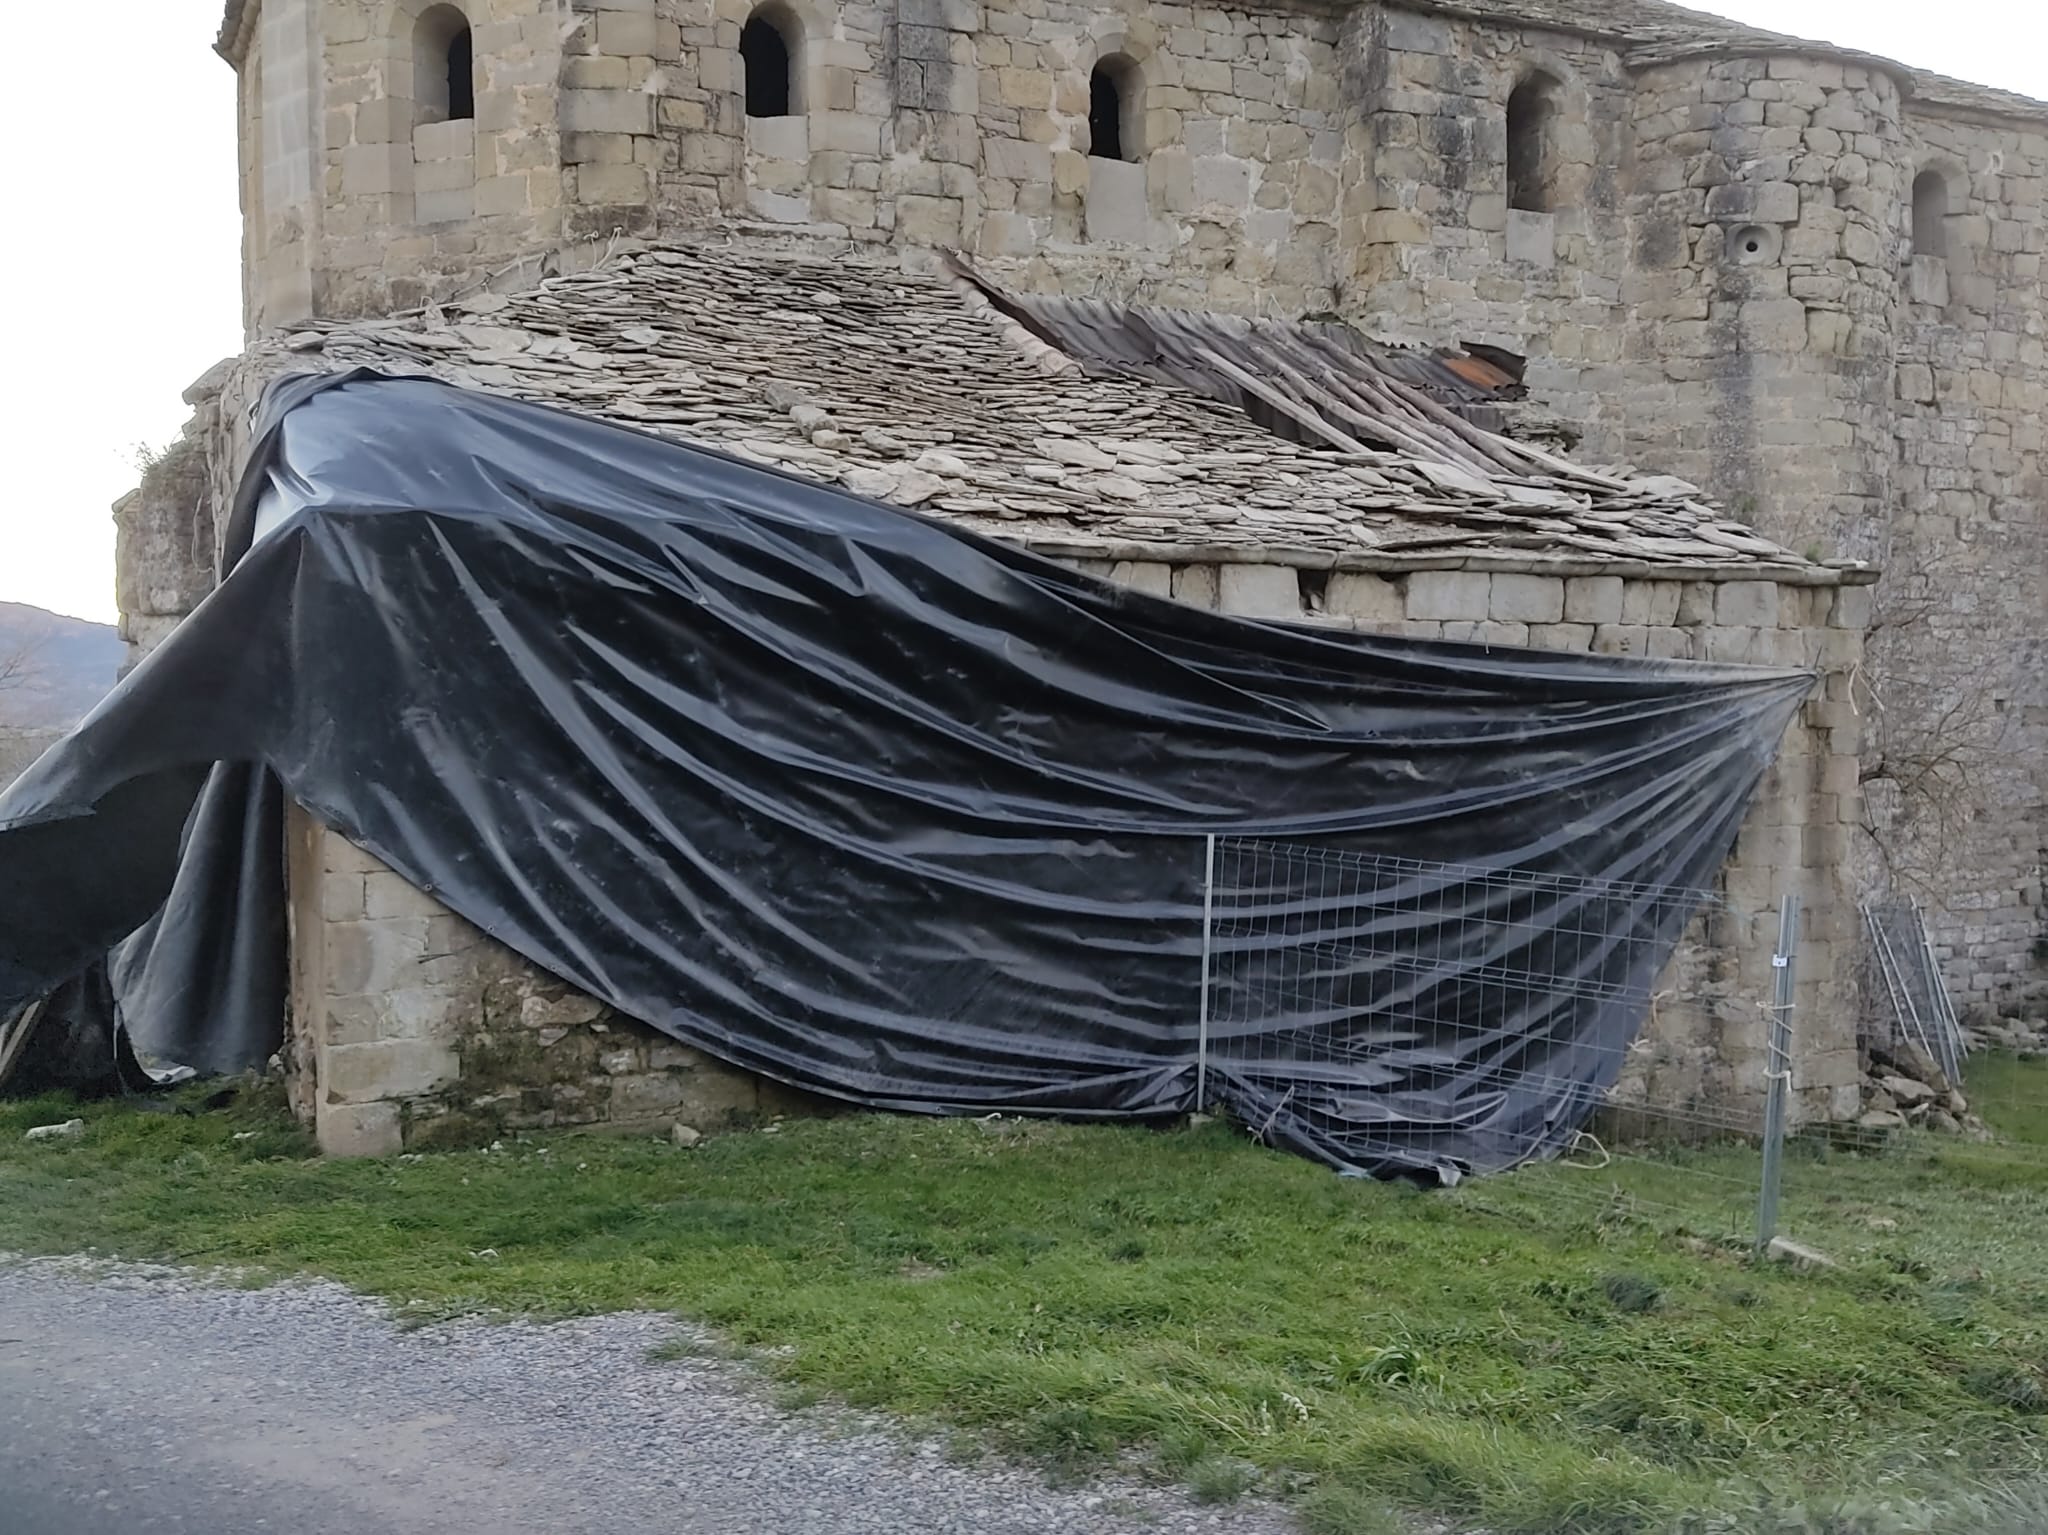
column 1799, row 288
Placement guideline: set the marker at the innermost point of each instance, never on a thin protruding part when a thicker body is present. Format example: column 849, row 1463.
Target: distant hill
column 52, row 668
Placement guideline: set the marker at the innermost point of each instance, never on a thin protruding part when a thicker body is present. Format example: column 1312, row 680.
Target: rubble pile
column 2026, row 1035
column 1904, row 1089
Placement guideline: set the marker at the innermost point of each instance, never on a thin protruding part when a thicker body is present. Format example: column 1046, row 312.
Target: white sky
column 122, row 274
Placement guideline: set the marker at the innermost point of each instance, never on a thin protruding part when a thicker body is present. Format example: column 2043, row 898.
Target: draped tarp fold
column 839, row 793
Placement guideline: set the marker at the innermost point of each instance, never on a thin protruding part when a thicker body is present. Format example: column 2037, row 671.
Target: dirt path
column 137, row 1400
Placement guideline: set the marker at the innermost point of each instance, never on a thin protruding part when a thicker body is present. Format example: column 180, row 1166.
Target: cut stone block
column 779, row 138
column 358, row 1129
column 1438, row 595
column 1532, row 238
column 1260, row 591
column 1146, row 576
column 1115, row 209
column 1196, row 585
column 1746, row 605
column 1594, row 600
column 1360, row 594
column 1526, row 599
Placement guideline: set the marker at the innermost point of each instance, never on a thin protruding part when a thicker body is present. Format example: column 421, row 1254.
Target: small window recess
column 770, row 50
column 1532, row 145
column 1114, row 116
column 1930, row 215
column 444, row 63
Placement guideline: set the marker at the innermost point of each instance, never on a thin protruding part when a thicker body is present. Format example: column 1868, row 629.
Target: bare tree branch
column 1931, row 747
column 17, row 665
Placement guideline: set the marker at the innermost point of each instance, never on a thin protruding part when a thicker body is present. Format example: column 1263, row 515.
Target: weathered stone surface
column 1371, row 598
column 1449, row 594
column 1526, row 599
column 1146, row 576
column 562, row 1009
column 1594, row 600
column 438, row 1023
column 359, row 1129
column 1259, row 591
column 1196, row 585
column 1907, row 1093
column 1532, row 238
column 164, row 535
column 1746, row 604
column 386, row 1070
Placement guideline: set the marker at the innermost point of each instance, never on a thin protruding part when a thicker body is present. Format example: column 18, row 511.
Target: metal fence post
column 1778, row 1075
column 1208, row 937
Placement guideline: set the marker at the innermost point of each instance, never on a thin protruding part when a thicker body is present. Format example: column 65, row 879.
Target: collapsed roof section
column 1315, row 381
column 915, row 390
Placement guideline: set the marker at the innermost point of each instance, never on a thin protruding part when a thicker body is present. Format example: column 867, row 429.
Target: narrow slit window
column 444, row 66
column 768, row 61
column 1532, row 151
column 1930, row 214
column 1112, row 110
column 461, row 76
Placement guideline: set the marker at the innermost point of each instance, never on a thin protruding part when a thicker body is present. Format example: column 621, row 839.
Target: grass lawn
column 2011, row 1094
column 1562, row 1350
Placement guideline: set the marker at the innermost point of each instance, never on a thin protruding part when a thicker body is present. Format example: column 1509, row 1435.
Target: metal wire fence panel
column 1919, row 1006
column 1443, row 1017
column 1388, row 1008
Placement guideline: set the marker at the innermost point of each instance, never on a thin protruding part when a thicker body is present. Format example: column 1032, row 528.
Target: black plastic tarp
column 839, row 793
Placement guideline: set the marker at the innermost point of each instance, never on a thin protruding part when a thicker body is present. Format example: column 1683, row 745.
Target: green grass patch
column 1567, row 1350
column 2011, row 1095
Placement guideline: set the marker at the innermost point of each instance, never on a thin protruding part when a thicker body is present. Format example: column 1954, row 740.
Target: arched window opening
column 1930, row 214
column 1532, row 149
column 444, row 66
column 768, row 60
column 461, row 77
column 1113, row 111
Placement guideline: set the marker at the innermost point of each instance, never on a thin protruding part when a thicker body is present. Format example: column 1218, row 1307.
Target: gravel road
column 137, row 1399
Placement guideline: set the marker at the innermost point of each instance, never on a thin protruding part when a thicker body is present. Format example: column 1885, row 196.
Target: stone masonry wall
column 1777, row 342
column 949, row 123
column 1764, row 201
column 164, row 536
column 924, row 123
column 1960, row 657
column 1440, row 256
column 410, row 1027
column 355, row 199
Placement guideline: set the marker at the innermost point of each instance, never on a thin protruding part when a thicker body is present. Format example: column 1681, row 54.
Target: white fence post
column 1208, row 935
column 1779, row 1075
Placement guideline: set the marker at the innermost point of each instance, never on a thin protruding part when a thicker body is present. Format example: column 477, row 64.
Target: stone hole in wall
column 1930, row 214
column 1315, row 590
column 1113, row 116
column 1756, row 244
column 770, row 45
column 444, row 66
